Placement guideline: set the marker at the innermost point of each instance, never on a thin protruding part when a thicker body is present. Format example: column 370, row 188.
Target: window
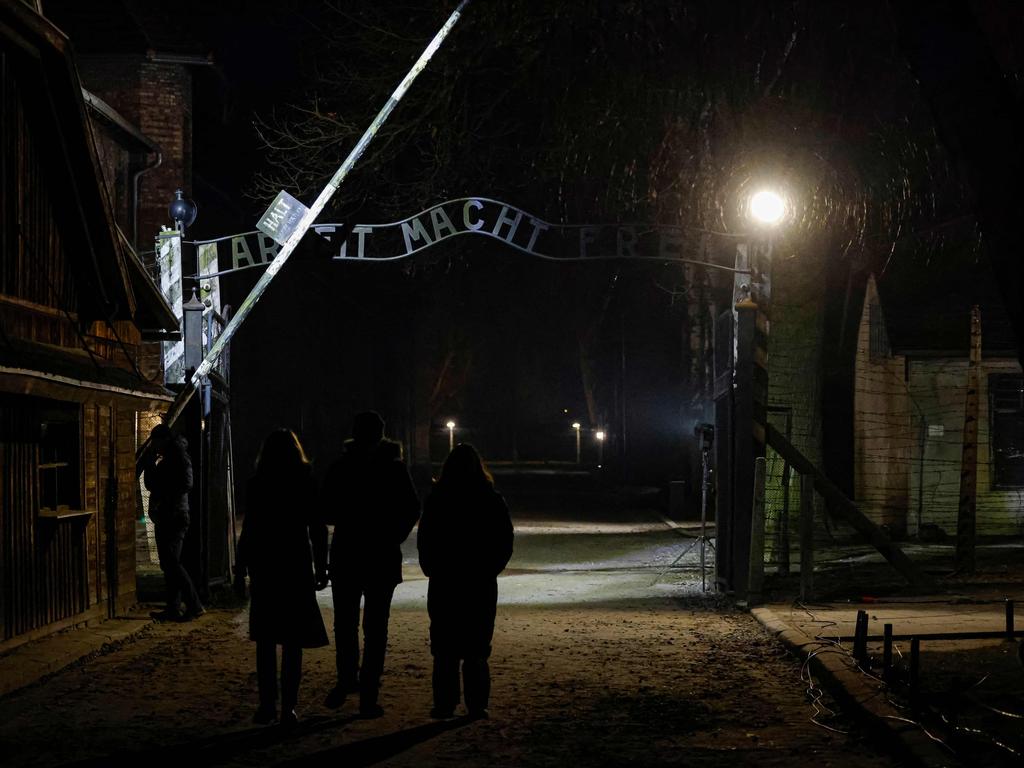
column 59, row 456
column 1006, row 408
column 879, row 340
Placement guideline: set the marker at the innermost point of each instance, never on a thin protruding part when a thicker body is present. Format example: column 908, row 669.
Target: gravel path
column 666, row 680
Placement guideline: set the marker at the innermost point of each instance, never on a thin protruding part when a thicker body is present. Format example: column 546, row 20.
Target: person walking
column 167, row 475
column 283, row 548
column 465, row 540
column 370, row 499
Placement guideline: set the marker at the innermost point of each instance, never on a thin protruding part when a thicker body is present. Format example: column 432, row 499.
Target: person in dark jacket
column 369, row 498
column 168, row 477
column 464, row 541
column 283, row 548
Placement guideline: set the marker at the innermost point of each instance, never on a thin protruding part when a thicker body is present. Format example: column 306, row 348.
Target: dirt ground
column 671, row 680
column 972, row 696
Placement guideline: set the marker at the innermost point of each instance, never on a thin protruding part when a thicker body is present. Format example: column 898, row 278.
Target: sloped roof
column 128, row 26
column 41, row 59
column 28, row 368
column 154, row 313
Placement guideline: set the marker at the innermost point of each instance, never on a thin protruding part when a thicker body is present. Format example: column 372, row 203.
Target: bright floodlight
column 576, row 425
column 599, row 435
column 450, row 425
column 767, row 207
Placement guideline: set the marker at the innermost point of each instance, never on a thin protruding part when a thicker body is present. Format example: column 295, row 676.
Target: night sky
column 583, row 112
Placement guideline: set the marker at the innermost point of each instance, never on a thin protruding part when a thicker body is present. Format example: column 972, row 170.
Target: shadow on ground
column 377, row 748
column 218, row 749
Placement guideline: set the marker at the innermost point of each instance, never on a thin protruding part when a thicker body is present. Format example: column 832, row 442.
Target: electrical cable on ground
column 837, row 646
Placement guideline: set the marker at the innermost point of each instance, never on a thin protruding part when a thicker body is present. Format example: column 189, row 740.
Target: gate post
column 741, row 398
column 757, row 535
column 744, row 450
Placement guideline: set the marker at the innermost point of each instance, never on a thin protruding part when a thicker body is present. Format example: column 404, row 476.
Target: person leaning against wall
column 167, row 474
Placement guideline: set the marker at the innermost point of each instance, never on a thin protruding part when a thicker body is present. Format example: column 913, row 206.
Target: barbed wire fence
column 907, row 443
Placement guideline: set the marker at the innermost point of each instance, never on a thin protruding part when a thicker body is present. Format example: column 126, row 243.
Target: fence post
column 966, row 521
column 806, row 536
column 1009, row 619
column 887, row 652
column 756, row 577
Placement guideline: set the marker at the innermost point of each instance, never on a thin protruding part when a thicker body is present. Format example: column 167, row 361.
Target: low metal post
column 887, row 652
column 806, row 536
column 915, row 665
column 860, row 638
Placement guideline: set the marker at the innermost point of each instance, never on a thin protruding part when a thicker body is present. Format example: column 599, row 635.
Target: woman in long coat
column 283, row 547
column 465, row 541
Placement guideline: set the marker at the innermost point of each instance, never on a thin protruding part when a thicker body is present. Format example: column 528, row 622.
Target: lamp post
column 451, row 436
column 576, row 426
column 740, row 561
column 599, row 436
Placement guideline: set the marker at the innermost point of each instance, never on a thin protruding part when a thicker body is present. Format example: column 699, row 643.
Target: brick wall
column 165, row 98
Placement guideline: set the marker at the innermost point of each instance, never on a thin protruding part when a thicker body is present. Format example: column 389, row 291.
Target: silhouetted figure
column 168, row 476
column 282, row 521
column 372, row 503
column 465, row 541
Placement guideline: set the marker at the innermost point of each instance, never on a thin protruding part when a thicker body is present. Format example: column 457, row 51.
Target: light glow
column 767, row 207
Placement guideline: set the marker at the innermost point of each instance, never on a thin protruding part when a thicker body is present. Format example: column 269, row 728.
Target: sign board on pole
column 282, row 217
column 168, row 249
column 209, row 288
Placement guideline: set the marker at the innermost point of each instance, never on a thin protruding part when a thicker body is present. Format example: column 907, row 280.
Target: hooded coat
column 169, row 482
column 370, row 500
column 282, row 546
column 465, row 540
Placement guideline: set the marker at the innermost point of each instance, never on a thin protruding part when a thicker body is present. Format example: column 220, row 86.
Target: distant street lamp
column 576, row 426
column 599, row 435
column 451, row 436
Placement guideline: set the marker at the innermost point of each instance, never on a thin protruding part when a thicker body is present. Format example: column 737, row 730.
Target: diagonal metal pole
column 311, row 215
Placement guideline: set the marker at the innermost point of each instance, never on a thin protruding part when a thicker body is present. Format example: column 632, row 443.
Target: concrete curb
column 34, row 661
column 858, row 694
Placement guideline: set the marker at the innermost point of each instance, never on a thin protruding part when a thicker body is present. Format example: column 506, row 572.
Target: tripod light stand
column 706, row 434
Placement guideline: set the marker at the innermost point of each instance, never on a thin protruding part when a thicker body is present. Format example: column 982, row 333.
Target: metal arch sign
column 470, row 216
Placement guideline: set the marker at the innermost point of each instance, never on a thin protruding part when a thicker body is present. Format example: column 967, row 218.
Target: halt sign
column 282, row 217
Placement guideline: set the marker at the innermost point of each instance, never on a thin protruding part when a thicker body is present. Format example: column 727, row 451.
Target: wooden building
column 73, row 298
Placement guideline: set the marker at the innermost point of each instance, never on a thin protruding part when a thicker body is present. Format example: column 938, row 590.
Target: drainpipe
column 922, row 441
column 135, row 195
